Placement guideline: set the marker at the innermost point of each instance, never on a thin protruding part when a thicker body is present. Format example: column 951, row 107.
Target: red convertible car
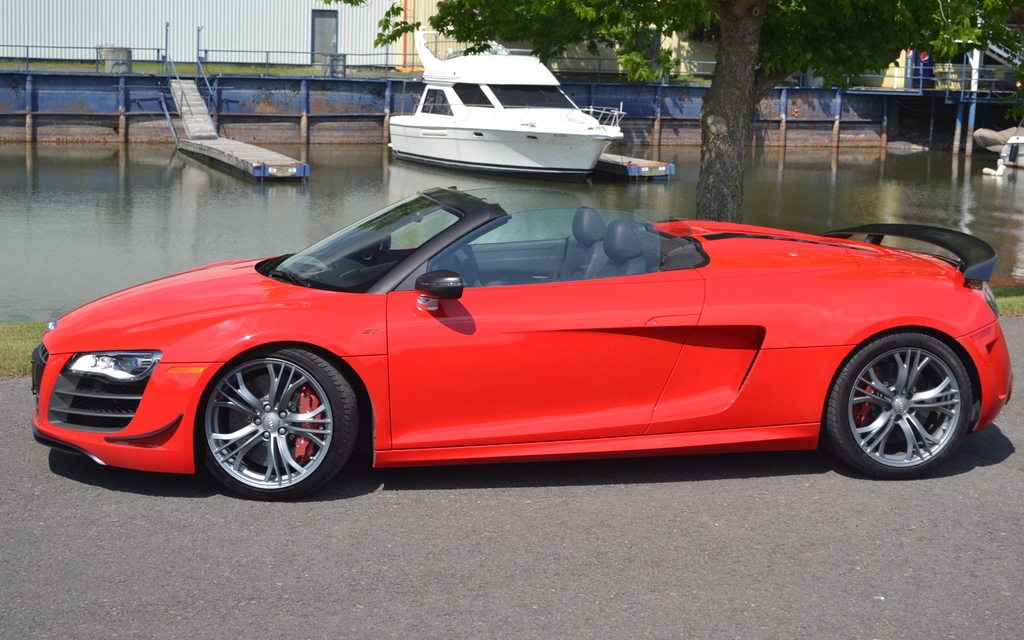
column 510, row 324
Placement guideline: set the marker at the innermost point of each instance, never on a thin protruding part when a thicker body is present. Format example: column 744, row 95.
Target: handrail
column 182, row 100
column 181, row 87
column 167, row 113
column 201, row 72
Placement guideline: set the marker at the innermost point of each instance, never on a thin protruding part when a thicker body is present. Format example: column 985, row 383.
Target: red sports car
column 510, row 324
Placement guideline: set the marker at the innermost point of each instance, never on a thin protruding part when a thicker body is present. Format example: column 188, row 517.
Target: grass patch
column 185, row 70
column 17, row 340
column 1011, row 301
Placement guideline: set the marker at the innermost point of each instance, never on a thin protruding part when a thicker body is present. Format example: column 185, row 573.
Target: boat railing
column 605, row 116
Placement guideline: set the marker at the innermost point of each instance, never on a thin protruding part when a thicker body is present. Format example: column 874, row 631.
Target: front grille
column 94, row 404
column 39, row 357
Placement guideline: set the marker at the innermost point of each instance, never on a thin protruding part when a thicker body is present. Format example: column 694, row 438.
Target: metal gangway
column 201, row 140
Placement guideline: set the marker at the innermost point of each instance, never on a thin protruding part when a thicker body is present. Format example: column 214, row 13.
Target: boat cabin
column 439, row 100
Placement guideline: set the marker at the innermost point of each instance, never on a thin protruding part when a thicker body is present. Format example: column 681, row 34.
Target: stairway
column 193, row 111
column 1004, row 55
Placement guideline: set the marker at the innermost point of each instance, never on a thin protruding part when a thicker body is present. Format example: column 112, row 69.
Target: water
column 78, row 222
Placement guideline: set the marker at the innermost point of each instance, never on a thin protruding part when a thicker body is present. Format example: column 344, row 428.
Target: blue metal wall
column 259, row 104
column 250, row 95
column 77, row 94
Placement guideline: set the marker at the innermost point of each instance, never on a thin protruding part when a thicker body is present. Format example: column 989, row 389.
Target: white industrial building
column 244, row 31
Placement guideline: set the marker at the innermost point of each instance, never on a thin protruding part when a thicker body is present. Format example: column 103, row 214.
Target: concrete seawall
column 99, row 108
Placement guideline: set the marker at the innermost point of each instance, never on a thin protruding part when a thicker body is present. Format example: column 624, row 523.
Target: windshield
column 517, row 96
column 357, row 256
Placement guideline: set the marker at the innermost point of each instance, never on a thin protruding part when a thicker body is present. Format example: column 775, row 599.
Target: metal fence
column 104, row 59
column 323, row 63
column 958, row 78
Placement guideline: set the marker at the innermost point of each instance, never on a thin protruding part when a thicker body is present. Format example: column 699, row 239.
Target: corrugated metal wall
column 72, row 29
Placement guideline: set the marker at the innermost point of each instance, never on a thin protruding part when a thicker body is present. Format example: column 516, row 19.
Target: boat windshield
column 521, row 96
column 471, row 95
column 360, row 255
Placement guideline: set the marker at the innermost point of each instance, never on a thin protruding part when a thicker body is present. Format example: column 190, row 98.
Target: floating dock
column 203, row 142
column 634, row 168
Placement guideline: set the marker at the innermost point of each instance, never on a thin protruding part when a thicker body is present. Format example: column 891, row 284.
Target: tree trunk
column 728, row 109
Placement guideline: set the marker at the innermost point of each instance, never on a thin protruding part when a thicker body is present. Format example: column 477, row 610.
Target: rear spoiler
column 977, row 257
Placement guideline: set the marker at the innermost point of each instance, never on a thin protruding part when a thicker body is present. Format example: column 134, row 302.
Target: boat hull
column 522, row 153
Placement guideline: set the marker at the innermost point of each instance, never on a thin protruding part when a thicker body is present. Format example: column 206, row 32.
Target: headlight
column 123, row 366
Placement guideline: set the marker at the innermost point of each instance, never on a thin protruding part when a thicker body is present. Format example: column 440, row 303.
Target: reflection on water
column 79, row 222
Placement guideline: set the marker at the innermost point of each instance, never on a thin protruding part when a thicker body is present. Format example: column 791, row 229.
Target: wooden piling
column 838, row 106
column 30, row 129
column 956, row 129
column 783, row 113
column 970, row 130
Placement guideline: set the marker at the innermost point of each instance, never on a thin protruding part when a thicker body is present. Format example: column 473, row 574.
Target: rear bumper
column 987, row 347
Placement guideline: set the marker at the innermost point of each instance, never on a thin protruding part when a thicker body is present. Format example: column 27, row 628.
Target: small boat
column 995, row 140
column 499, row 112
column 1011, row 156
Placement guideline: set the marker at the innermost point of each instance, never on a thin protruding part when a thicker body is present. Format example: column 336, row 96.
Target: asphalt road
column 782, row 545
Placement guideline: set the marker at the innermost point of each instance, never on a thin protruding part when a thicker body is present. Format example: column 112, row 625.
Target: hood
column 156, row 314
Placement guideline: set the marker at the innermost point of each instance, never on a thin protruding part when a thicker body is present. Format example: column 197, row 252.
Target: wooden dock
column 203, row 142
column 634, row 168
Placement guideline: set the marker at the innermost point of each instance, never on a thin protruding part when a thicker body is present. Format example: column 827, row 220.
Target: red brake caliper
column 304, row 449
column 863, row 409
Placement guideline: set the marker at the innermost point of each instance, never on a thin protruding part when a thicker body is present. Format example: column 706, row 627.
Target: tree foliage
column 835, row 37
column 759, row 44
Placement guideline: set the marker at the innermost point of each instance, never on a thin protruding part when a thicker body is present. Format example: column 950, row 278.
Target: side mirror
column 437, row 285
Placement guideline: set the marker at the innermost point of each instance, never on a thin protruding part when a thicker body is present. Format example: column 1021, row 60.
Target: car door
column 536, row 362
column 522, row 358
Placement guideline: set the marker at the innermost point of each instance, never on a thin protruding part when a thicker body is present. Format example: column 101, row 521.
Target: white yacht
column 501, row 113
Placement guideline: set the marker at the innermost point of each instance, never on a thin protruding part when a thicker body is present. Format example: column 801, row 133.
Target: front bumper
column 159, row 437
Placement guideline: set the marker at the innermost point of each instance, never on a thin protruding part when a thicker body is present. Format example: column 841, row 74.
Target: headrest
column 621, row 242
column 587, row 226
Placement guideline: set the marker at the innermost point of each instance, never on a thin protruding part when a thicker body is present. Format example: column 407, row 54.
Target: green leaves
column 835, row 37
column 391, row 27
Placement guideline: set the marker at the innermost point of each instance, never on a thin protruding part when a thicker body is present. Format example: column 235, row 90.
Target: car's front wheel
column 279, row 425
column 899, row 406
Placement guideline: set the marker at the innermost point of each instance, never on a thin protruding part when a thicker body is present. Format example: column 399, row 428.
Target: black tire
column 899, row 407
column 278, row 425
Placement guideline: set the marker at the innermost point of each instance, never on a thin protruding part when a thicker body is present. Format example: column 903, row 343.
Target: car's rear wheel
column 279, row 425
column 899, row 407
